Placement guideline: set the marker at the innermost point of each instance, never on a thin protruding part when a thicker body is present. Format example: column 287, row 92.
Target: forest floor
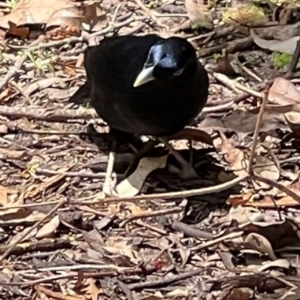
column 233, row 233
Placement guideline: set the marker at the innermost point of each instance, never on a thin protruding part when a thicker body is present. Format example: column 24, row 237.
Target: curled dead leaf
column 260, row 243
column 132, row 185
column 49, row 228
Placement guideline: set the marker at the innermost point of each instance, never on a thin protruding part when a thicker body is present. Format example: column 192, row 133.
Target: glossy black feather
column 158, row 108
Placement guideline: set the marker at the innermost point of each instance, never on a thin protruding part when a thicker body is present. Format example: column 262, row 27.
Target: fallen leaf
column 48, row 229
column 283, row 92
column 21, row 32
column 266, row 168
column 40, row 84
column 234, row 156
column 64, row 14
column 288, row 46
column 199, row 14
column 121, row 247
column 278, row 263
column 237, row 294
column 91, row 290
column 33, row 12
column 132, row 185
column 260, row 243
column 9, row 198
column 279, row 32
column 249, row 14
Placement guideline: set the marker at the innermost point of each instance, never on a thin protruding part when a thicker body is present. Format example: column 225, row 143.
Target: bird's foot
column 110, row 181
column 109, row 187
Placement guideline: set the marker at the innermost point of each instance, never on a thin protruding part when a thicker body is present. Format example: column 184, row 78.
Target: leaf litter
column 225, row 235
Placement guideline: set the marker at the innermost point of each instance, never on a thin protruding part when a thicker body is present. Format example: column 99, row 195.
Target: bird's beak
column 144, row 76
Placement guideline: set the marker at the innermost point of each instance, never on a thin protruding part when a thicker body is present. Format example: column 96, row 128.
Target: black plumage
column 144, row 85
column 159, row 107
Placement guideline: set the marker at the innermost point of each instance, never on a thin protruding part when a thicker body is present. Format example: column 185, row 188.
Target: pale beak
column 145, row 76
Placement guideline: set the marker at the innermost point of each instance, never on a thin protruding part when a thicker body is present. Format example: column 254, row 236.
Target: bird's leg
column 110, row 182
column 187, row 170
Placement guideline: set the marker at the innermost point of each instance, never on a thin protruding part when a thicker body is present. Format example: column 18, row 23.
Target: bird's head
column 168, row 59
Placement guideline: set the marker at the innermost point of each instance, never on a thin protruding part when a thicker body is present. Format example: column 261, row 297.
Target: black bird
column 145, row 85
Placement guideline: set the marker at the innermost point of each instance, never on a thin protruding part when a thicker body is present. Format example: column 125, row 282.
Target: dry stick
column 73, row 274
column 18, row 65
column 149, row 12
column 255, row 141
column 257, row 128
column 166, row 281
column 27, row 232
column 46, row 114
column 171, row 195
column 279, row 186
column 294, row 62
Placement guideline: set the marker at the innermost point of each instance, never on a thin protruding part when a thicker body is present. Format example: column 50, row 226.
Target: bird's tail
column 82, row 95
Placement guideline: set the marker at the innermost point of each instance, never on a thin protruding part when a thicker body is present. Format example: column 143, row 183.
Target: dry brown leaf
column 34, row 11
column 115, row 245
column 63, row 13
column 91, row 290
column 249, row 14
column 36, row 189
column 233, row 156
column 7, row 94
column 3, row 196
column 293, row 120
column 12, row 154
column 22, row 32
column 283, row 92
column 288, row 46
column 236, row 200
column 136, row 209
column 9, row 198
column 48, row 229
column 266, row 168
column 132, row 185
column 95, row 18
column 199, row 13
column 40, row 84
column 260, row 243
column 237, row 294
column 27, row 237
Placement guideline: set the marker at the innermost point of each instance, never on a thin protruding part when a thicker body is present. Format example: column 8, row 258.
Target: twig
column 149, row 12
column 190, row 231
column 294, row 62
column 126, row 290
column 73, row 174
column 73, row 274
column 165, row 281
column 279, row 186
column 18, row 65
column 43, row 114
column 27, row 232
column 257, row 128
column 171, row 195
column 152, row 214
